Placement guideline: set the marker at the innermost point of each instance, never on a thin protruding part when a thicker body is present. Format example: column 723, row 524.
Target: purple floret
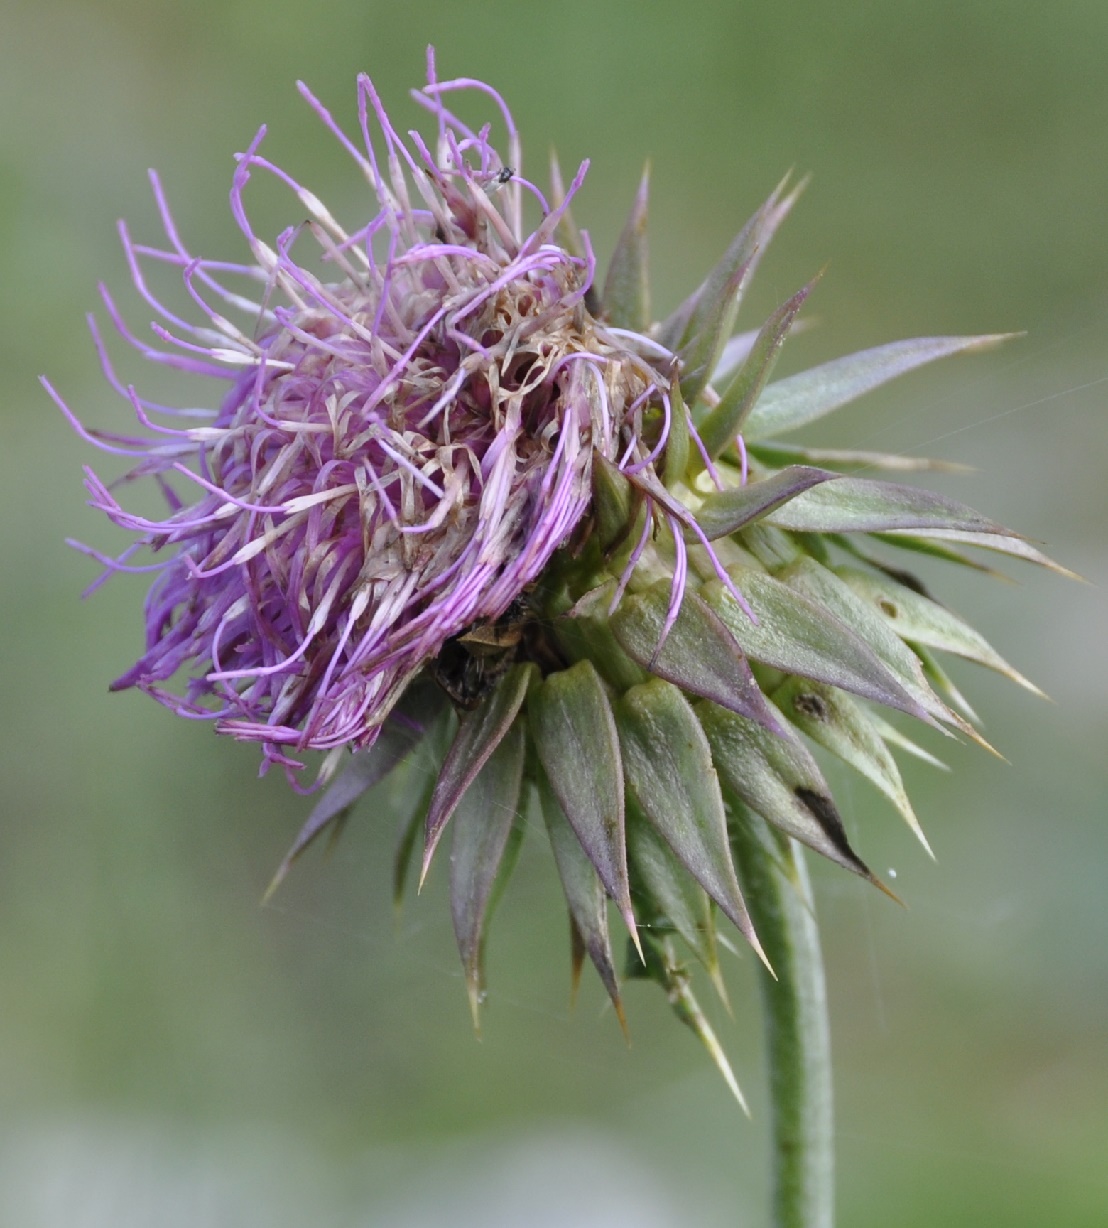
column 405, row 443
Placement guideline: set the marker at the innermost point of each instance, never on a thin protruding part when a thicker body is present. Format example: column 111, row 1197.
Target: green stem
column 779, row 896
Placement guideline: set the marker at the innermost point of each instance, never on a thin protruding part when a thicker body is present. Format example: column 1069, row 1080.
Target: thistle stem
column 798, row 1040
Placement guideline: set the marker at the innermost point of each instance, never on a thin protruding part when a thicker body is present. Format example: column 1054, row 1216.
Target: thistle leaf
column 937, row 677
column 409, row 723
column 687, row 1009
column 584, row 892
column 723, row 512
column 701, row 326
column 780, row 454
column 669, row 771
column 726, row 420
column 666, row 895
column 626, row 298
column 918, row 619
column 699, row 654
column 568, row 234
column 678, row 442
column 777, row 777
column 663, row 967
column 933, row 547
column 734, row 354
column 479, row 734
column 574, row 732
column 405, row 845
column 822, row 585
column 483, row 822
column 839, row 723
column 892, row 736
column 584, row 632
column 613, row 499
column 861, row 505
column 802, row 398
column 800, row 636
column 698, row 356
column 577, row 955
column 1003, row 543
column 681, row 325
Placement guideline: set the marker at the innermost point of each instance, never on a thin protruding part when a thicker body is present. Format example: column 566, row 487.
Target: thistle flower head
column 458, row 495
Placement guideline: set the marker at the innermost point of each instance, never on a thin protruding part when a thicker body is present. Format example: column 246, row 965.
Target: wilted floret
column 402, row 450
column 460, row 497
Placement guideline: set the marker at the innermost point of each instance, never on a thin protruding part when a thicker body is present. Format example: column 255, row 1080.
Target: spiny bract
column 459, row 498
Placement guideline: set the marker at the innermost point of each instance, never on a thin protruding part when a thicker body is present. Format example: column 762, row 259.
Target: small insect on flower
column 470, row 665
column 451, row 491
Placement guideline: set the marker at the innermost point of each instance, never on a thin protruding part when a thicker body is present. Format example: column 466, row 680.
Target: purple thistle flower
column 402, row 448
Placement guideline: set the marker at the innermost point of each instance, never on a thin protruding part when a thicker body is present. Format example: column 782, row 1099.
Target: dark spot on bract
column 811, row 705
column 907, row 578
column 888, row 607
column 823, row 810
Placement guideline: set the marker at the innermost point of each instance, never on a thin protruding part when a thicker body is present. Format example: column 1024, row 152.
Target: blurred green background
column 172, row 1053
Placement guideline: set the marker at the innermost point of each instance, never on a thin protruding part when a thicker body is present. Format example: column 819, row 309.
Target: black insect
column 470, row 665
